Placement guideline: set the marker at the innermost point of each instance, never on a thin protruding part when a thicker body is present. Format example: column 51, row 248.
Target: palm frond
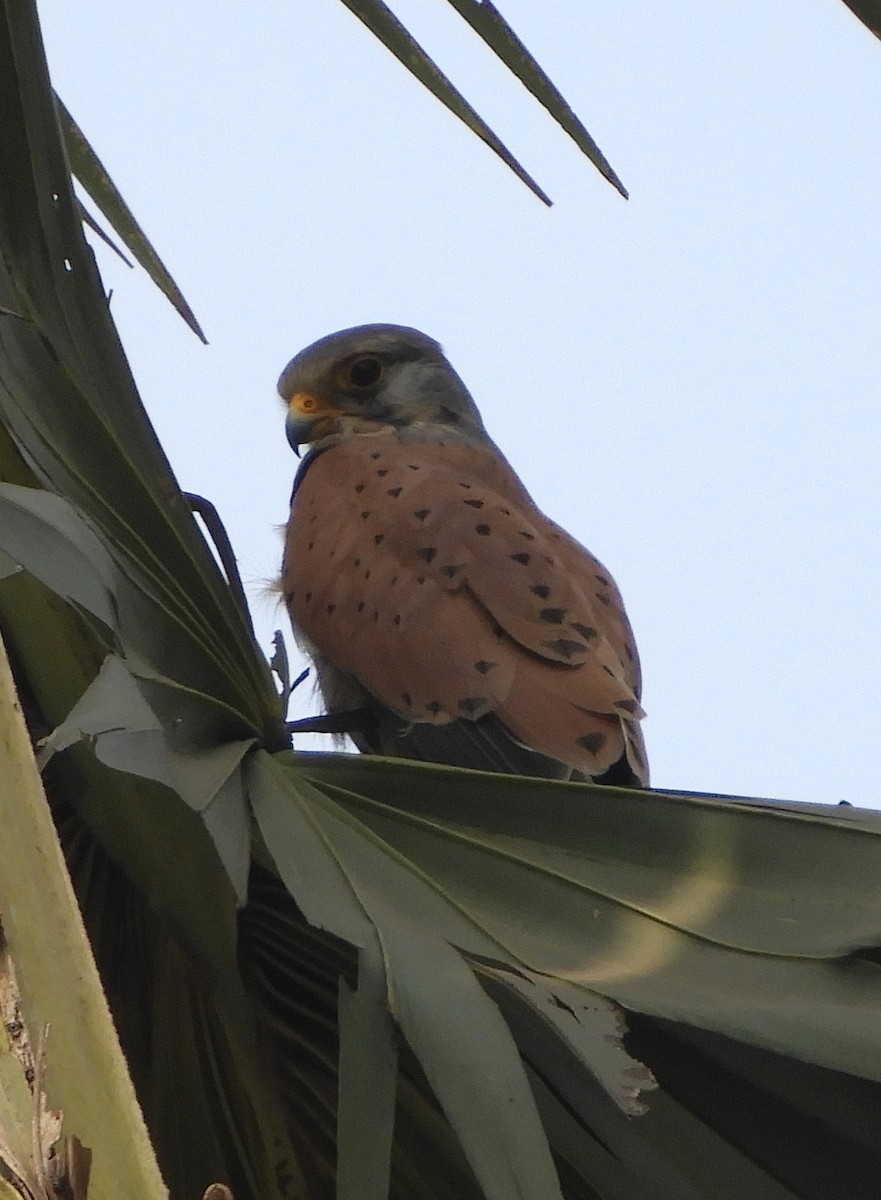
column 388, row 977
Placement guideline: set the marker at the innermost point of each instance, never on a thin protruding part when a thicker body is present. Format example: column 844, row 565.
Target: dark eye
column 364, row 372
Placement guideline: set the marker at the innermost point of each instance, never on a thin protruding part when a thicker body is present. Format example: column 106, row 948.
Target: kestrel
column 430, row 591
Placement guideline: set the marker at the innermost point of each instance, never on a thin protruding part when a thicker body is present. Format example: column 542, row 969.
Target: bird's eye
column 364, row 372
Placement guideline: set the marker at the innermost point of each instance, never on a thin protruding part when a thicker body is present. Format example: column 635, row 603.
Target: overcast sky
column 688, row 381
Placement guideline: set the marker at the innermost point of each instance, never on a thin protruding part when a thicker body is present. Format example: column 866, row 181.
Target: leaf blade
column 59, row 982
column 68, row 399
column 429, row 984
column 386, row 27
column 486, row 20
column 646, row 956
column 869, row 12
column 91, row 173
column 368, row 1068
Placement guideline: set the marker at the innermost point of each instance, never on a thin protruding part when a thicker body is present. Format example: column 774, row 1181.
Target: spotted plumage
column 430, row 589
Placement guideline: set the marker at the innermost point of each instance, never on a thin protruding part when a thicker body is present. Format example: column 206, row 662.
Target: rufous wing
column 423, row 569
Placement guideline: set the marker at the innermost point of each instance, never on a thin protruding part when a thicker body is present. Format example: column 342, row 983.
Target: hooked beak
column 307, row 414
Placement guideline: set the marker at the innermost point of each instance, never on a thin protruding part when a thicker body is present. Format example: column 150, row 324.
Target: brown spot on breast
column 602, row 579
column 521, row 557
column 565, row 647
column 483, row 530
column 530, row 537
column 382, row 474
column 376, row 454
column 331, row 609
column 592, row 742
column 473, row 503
column 554, row 616
column 604, row 598
column 484, row 666
column 394, row 492
column 365, row 513
column 427, row 553
column 421, row 513
column 407, row 698
column 451, row 570
column 359, row 487
column 586, row 631
column 541, row 589
column 378, row 539
column 433, row 706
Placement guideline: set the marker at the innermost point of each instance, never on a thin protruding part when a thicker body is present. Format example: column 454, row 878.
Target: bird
column 435, row 599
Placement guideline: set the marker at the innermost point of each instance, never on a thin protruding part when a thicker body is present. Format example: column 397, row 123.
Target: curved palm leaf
column 68, row 399
column 486, row 20
column 89, row 170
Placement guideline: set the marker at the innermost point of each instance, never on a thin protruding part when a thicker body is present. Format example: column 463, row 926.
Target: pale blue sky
column 688, row 381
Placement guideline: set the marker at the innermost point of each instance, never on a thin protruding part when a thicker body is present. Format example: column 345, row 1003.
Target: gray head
column 372, row 377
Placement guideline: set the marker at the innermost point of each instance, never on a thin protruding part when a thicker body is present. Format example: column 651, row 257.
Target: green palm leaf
column 88, row 169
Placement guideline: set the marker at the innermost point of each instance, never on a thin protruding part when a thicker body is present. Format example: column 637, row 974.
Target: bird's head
column 371, row 378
